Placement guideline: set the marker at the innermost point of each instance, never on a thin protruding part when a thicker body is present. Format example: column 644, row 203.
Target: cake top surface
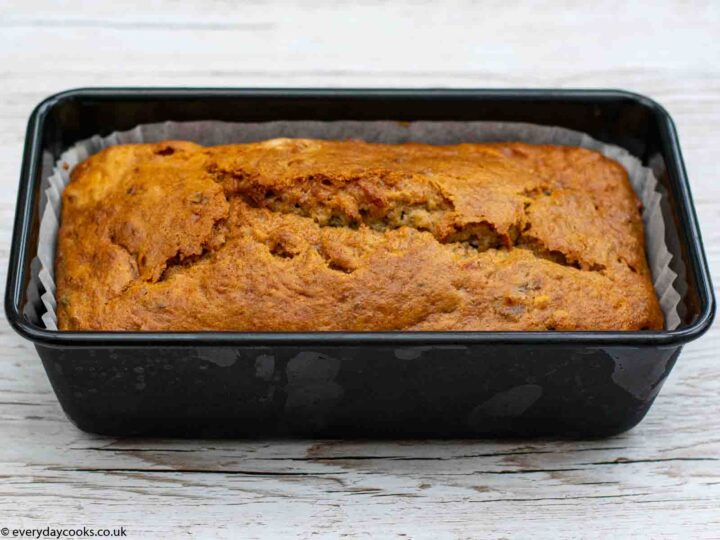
column 310, row 235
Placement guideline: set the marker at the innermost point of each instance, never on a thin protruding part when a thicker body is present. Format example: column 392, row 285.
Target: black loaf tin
column 438, row 384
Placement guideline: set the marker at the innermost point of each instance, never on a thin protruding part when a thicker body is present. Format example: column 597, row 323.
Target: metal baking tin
column 376, row 384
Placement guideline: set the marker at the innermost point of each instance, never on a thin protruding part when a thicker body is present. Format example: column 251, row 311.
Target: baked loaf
column 304, row 235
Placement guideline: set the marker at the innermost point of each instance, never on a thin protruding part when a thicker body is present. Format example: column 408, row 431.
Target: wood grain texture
column 660, row 480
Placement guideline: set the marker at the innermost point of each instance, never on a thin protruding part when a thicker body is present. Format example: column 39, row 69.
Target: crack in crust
column 435, row 215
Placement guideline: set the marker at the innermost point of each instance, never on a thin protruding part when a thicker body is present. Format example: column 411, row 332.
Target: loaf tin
column 371, row 384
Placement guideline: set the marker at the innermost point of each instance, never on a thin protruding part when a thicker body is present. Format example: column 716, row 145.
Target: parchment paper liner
column 211, row 132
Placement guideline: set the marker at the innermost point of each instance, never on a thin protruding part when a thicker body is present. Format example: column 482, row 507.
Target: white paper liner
column 210, row 132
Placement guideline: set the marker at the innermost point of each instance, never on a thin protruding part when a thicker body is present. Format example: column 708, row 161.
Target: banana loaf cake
column 311, row 235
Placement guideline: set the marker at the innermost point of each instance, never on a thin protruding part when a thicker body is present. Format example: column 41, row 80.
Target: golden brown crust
column 303, row 235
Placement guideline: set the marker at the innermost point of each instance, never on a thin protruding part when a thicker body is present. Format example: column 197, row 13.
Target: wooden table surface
column 661, row 479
